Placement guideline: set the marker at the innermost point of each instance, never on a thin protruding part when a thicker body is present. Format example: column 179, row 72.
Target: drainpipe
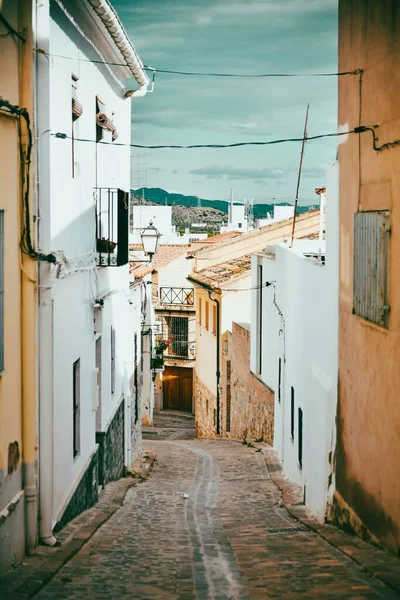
column 28, row 319
column 45, row 309
column 217, row 365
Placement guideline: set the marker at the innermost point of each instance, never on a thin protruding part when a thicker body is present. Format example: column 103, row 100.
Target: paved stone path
column 230, row 539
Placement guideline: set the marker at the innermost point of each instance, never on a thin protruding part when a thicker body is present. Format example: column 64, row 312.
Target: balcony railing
column 177, row 296
column 179, row 344
column 112, row 236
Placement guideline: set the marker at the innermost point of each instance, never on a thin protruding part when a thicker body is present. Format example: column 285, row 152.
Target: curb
column 28, row 577
column 377, row 562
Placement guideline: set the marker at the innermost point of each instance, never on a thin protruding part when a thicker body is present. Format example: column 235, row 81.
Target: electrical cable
column 11, row 29
column 357, row 130
column 64, row 136
column 197, row 73
column 25, row 157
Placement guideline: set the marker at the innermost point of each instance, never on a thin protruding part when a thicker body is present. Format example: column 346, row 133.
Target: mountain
column 160, row 196
column 183, row 216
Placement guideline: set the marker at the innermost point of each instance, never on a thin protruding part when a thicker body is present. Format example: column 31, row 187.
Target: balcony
column 179, row 344
column 112, row 227
column 175, row 296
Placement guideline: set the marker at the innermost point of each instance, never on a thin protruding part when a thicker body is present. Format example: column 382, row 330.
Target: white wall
column 236, row 306
column 307, row 295
column 175, row 273
column 72, row 231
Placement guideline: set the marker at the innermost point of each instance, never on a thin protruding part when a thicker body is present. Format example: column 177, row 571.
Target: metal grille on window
column 371, row 266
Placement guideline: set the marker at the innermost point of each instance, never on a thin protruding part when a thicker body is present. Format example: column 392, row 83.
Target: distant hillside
column 183, row 216
column 158, row 196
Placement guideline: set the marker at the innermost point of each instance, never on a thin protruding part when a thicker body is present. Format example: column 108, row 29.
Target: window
column 1, row 290
column 112, row 360
column 228, row 395
column 98, row 368
column 112, row 227
column 77, row 111
column 371, row 266
column 105, row 128
column 292, row 413
column 259, row 292
column 207, row 316
column 179, row 336
column 300, row 440
column 199, row 309
column 76, row 396
column 135, row 376
column 279, row 379
column 214, row 323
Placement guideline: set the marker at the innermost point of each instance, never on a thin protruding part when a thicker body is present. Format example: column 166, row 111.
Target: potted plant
column 161, row 346
column 157, row 363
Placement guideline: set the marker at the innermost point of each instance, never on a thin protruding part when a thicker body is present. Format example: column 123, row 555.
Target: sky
column 233, row 36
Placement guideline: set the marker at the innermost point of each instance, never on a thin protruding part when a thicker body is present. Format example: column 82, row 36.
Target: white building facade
column 87, row 321
column 294, row 347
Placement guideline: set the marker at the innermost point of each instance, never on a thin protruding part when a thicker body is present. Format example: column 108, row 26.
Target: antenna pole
column 299, row 175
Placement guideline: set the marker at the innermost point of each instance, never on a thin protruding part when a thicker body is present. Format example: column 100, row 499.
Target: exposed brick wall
column 252, row 403
column 205, row 406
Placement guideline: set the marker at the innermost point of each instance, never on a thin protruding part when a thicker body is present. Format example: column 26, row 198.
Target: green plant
column 157, row 362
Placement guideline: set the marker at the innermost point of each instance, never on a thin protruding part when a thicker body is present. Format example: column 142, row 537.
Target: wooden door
column 178, row 388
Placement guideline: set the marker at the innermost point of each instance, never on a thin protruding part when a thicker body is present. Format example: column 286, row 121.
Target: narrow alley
column 231, row 538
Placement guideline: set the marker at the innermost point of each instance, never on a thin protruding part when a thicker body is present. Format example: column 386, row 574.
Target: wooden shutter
column 371, row 260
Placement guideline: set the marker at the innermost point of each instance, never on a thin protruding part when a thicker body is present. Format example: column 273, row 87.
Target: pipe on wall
column 45, row 308
column 217, row 361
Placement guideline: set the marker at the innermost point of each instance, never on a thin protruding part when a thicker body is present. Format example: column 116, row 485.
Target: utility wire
column 357, row 130
column 197, row 73
column 64, row 136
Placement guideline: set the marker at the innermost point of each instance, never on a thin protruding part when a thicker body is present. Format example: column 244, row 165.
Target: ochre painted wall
column 368, row 449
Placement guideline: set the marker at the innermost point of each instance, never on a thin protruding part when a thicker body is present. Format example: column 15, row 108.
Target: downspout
column 45, row 307
column 217, row 365
column 28, row 319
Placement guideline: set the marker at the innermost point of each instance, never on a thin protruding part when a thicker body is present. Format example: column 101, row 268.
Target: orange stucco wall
column 368, row 450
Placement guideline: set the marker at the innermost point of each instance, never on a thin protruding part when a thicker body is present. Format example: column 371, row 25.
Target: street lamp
column 150, row 237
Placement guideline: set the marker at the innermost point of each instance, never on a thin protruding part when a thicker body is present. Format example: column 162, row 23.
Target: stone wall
column 85, row 495
column 205, row 409
column 111, row 448
column 252, row 403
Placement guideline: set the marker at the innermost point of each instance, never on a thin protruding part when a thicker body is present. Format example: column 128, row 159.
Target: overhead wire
column 198, row 73
column 64, row 136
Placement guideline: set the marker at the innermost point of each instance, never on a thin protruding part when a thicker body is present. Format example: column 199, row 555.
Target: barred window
column 371, row 266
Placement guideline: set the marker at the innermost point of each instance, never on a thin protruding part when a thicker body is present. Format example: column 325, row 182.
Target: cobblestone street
column 231, row 538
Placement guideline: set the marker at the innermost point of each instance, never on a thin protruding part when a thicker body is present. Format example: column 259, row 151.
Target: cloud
column 231, row 173
column 204, row 20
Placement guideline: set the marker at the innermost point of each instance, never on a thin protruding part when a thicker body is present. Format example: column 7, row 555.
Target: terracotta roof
column 221, row 237
column 139, row 270
column 166, row 254
column 215, row 276
column 237, row 237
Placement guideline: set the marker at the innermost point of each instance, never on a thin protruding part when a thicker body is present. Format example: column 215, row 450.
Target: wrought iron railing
column 175, row 341
column 177, row 296
column 112, row 235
